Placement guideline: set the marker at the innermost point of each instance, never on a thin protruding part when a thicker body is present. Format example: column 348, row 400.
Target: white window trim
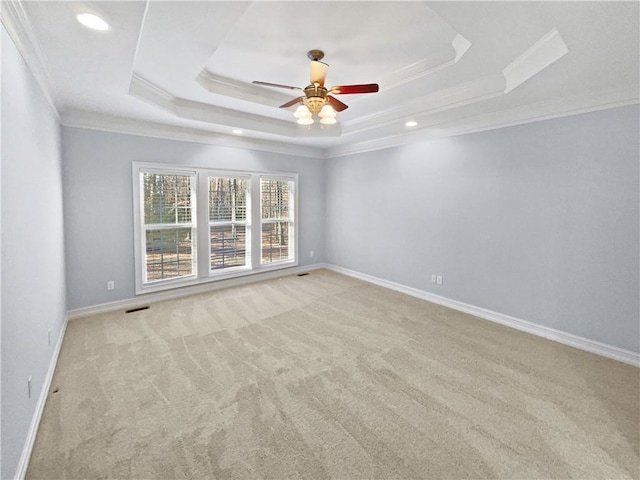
column 231, row 271
column 292, row 219
column 202, row 247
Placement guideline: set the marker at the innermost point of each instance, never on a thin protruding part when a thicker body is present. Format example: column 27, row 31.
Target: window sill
column 213, row 277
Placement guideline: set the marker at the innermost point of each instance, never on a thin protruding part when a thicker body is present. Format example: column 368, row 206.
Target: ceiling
column 181, row 69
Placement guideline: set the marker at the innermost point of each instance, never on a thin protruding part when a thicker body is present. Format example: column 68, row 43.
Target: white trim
column 141, row 127
column 23, row 463
column 449, row 98
column 217, row 115
column 526, row 114
column 543, row 53
column 200, row 194
column 156, row 297
column 292, row 220
column 582, row 343
column 204, row 236
column 437, row 61
column 231, row 87
column 141, row 228
column 16, row 21
column 569, row 339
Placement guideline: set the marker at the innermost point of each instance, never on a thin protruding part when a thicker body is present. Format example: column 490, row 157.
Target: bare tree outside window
column 168, row 226
column 195, row 225
column 276, row 200
column 227, row 222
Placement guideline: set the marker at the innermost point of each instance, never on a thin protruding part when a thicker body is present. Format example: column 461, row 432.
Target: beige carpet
column 324, row 376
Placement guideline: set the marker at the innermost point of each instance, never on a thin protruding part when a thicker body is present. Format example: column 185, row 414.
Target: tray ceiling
column 184, row 69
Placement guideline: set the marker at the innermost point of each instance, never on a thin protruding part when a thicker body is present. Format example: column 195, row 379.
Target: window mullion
column 237, row 237
column 256, row 238
column 167, row 226
column 203, row 246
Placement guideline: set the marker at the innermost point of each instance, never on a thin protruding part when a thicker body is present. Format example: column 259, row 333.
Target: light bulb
column 305, row 120
column 302, row 112
column 328, row 120
column 327, row 112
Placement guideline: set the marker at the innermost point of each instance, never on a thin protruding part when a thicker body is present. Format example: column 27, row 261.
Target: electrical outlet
column 433, row 278
column 439, row 280
column 111, row 285
column 311, row 253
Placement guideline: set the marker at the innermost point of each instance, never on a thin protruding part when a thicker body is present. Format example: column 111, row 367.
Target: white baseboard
column 148, row 298
column 565, row 338
column 582, row 343
column 23, row 463
column 559, row 336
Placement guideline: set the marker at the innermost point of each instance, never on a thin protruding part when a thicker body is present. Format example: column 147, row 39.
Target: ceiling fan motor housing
column 315, row 98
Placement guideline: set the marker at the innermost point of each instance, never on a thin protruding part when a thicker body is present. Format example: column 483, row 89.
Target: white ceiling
column 183, row 69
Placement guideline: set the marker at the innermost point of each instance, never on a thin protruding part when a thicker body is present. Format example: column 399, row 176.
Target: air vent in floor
column 137, row 309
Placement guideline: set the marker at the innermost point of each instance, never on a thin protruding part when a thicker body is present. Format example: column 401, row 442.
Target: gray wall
column 538, row 221
column 98, row 203
column 33, row 278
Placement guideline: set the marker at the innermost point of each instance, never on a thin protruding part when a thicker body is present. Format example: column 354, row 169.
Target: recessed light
column 411, row 123
column 236, row 131
column 92, row 21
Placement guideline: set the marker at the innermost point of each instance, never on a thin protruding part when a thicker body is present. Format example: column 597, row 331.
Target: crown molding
column 494, row 120
column 230, row 87
column 445, row 99
column 192, row 110
column 435, row 62
column 16, row 21
column 534, row 60
column 107, row 123
column 491, row 121
column 540, row 55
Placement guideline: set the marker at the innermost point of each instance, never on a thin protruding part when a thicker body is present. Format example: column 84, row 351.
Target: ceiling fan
column 318, row 99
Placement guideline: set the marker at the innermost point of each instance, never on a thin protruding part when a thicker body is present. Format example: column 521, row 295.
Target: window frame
column 140, row 233
column 291, row 220
column 248, row 224
column 202, row 252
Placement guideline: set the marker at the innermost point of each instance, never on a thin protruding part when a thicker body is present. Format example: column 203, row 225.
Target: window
column 194, row 225
column 228, row 222
column 168, row 228
column 276, row 207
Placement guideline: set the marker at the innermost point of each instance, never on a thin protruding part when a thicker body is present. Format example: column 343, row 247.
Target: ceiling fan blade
column 336, row 104
column 347, row 89
column 267, row 84
column 318, row 72
column 291, row 102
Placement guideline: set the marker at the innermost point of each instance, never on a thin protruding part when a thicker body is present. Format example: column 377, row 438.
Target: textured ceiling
column 184, row 69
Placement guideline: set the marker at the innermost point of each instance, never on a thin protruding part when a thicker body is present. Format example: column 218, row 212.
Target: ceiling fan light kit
column 316, row 99
column 303, row 115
